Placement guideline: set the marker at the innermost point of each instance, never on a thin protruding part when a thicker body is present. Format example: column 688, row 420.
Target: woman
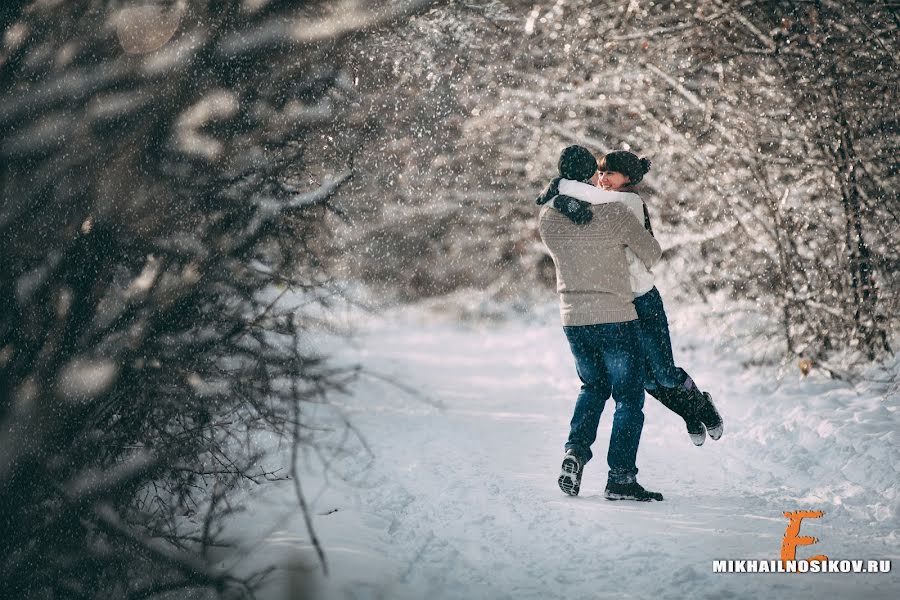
column 618, row 172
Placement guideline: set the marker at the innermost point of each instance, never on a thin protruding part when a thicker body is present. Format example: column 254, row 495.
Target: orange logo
column 792, row 537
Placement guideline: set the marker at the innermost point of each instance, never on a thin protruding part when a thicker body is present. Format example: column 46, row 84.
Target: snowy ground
column 459, row 499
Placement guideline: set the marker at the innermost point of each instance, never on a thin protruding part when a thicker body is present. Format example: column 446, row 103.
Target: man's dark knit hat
column 577, row 162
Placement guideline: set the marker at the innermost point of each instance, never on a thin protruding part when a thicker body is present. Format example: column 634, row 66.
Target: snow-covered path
column 460, row 499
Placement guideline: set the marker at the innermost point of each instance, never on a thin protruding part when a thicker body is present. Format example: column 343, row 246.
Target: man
column 600, row 323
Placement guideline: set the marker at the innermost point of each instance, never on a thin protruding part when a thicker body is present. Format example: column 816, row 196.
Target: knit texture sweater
column 592, row 276
column 642, row 280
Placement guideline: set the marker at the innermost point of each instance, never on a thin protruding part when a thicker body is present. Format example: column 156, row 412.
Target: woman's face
column 612, row 180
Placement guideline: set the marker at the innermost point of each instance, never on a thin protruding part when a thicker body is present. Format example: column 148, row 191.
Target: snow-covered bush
column 160, row 178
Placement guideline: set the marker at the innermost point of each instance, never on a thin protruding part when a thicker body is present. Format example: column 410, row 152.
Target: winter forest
column 279, row 322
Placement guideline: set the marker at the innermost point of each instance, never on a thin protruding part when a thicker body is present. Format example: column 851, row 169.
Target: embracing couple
column 598, row 233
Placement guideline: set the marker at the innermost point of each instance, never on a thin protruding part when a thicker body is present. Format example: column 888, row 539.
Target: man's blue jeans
column 659, row 368
column 608, row 358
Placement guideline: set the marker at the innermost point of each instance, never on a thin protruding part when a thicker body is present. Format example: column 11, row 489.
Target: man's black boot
column 570, row 473
column 630, row 491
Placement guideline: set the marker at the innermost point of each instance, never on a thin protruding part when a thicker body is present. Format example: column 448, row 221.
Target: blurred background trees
column 770, row 124
column 169, row 168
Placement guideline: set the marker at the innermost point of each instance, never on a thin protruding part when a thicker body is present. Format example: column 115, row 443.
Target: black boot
column 680, row 402
column 570, row 473
column 709, row 415
column 630, row 491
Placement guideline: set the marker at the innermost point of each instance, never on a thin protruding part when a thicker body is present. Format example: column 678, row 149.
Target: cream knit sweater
column 592, row 276
column 642, row 280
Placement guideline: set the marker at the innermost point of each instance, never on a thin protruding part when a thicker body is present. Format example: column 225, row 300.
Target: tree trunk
column 871, row 335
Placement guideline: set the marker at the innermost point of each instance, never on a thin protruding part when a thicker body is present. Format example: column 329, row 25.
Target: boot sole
column 716, row 431
column 569, row 480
